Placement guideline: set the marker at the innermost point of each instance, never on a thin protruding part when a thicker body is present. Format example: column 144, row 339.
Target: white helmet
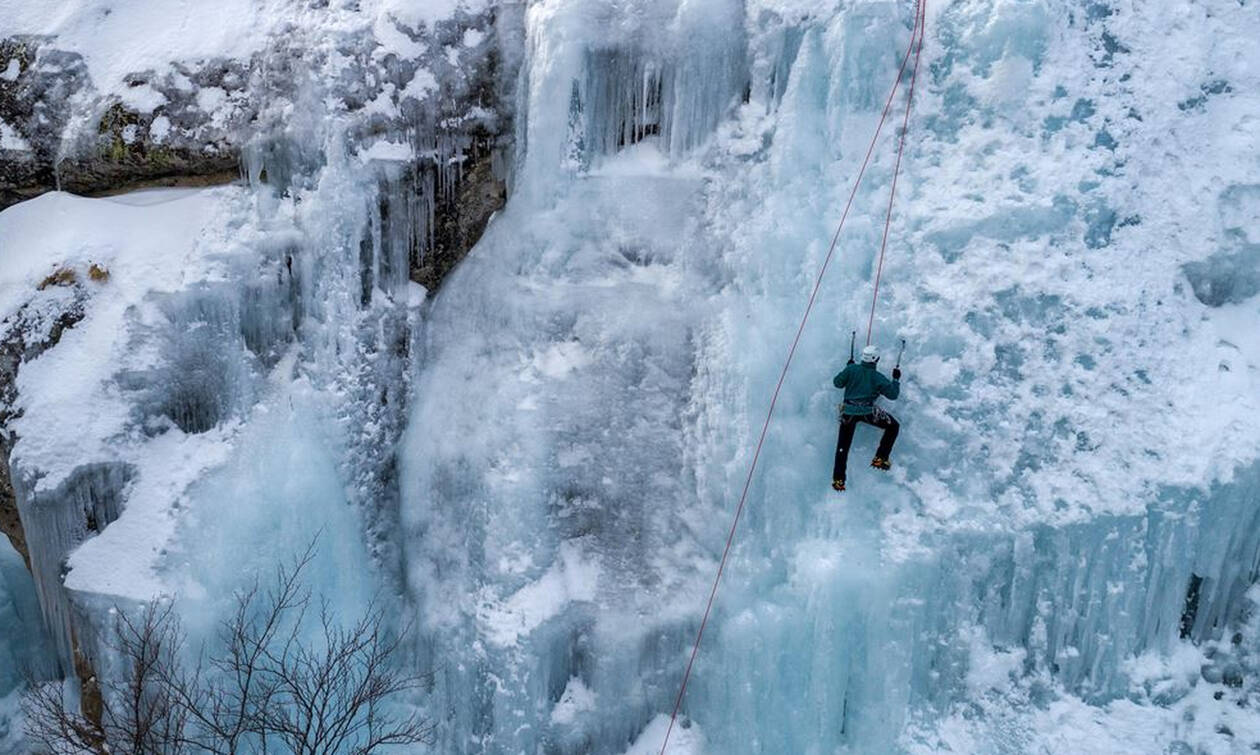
column 870, row 355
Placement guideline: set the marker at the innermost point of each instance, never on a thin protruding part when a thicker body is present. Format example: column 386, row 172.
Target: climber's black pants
column 849, row 422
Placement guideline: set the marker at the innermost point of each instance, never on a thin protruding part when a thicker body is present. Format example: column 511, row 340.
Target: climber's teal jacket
column 862, row 384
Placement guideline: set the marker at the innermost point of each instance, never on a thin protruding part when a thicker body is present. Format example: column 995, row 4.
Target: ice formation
column 540, row 458
column 25, row 650
column 611, row 343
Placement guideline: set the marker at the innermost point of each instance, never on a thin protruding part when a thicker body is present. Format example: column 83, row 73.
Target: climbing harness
column 916, row 46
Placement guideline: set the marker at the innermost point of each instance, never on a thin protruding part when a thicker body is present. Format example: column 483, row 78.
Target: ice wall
column 540, row 489
column 25, row 649
column 1072, row 507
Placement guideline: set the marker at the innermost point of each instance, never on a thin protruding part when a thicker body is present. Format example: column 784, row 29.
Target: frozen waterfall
column 592, row 373
column 530, row 455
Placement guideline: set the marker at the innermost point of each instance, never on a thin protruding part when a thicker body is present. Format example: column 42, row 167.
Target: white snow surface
column 426, row 13
column 121, row 37
column 156, row 244
column 10, row 139
column 118, row 37
column 569, row 580
column 686, row 738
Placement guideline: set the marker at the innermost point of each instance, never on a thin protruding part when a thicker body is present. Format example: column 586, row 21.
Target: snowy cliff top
column 121, row 37
column 73, row 409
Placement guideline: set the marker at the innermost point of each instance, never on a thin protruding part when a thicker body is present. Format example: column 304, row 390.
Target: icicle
column 58, row 520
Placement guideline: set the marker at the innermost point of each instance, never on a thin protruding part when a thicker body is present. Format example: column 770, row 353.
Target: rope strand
column 916, row 33
column 892, row 192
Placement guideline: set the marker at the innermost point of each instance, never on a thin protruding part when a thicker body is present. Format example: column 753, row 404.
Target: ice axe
column 897, row 366
column 852, row 342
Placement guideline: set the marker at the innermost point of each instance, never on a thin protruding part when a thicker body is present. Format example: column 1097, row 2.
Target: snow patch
column 159, row 129
column 210, row 99
column 430, row 12
column 118, row 37
column 421, row 85
column 10, row 139
column 388, row 151
column 142, row 99
column 989, row 667
column 576, row 699
column 573, row 578
column 394, row 40
column 416, row 294
column 686, row 738
column 560, row 359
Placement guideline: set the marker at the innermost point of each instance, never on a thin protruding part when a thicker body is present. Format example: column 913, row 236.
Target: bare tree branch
column 279, row 679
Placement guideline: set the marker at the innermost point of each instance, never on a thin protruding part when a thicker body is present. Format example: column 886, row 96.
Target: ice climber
column 862, row 384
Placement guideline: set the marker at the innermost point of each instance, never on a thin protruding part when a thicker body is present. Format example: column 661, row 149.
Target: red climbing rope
column 916, row 46
column 901, row 146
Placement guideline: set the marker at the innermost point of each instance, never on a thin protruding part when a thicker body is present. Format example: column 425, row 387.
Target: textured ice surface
column 1076, row 484
column 25, row 649
column 276, row 494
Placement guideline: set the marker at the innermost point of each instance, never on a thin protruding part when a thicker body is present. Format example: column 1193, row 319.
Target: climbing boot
column 838, row 485
column 880, row 462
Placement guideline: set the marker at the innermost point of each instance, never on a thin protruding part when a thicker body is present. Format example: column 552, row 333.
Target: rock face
column 34, row 110
column 63, row 134
column 461, row 218
column 204, row 122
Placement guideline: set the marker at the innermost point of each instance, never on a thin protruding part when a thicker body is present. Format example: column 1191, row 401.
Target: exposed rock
column 460, row 221
column 91, row 700
column 62, row 276
column 82, row 141
column 36, row 106
column 10, row 522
